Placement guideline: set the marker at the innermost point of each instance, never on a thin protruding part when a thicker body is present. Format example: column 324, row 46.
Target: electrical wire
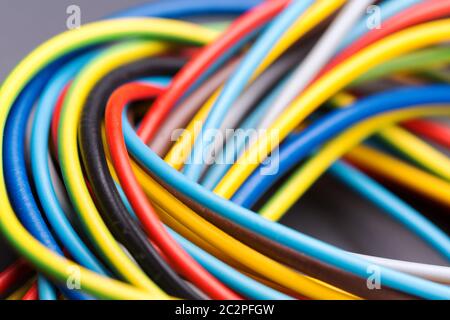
column 407, row 175
column 71, row 167
column 415, row 60
column 319, row 132
column 237, row 143
column 10, row 226
column 414, row 148
column 383, row 11
column 138, row 228
column 431, row 272
column 283, row 275
column 432, row 130
column 419, row 13
column 32, row 293
column 405, row 41
column 19, row 293
column 435, row 57
column 111, row 207
column 222, row 271
column 103, row 186
column 235, row 35
column 312, row 17
column 325, row 157
column 322, row 52
column 283, row 235
column 41, row 169
column 16, row 178
column 304, row 264
column 418, row 151
column 180, row 9
column 165, row 135
column 393, row 205
column 194, row 167
column 252, row 95
column 11, row 275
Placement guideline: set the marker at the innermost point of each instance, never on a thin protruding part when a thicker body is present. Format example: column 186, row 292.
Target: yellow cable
column 403, row 173
column 304, row 177
column 418, row 150
column 51, row 264
column 400, row 43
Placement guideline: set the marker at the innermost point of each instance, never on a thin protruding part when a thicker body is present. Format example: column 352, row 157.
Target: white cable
column 319, row 56
column 434, row 273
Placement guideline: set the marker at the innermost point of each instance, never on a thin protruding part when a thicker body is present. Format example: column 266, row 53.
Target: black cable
column 111, row 207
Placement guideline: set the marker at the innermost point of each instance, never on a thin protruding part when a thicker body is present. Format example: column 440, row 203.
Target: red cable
column 19, row 270
column 144, row 210
column 432, row 130
column 244, row 25
column 422, row 12
column 32, row 293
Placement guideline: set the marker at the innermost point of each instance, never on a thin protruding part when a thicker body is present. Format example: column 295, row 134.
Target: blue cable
column 16, row 177
column 394, row 206
column 182, row 8
column 387, row 10
column 295, row 150
column 275, row 231
column 237, row 82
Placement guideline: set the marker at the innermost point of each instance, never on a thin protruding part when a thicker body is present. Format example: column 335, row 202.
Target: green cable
column 418, row 61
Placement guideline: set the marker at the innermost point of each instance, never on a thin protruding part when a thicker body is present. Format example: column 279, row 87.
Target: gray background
column 329, row 211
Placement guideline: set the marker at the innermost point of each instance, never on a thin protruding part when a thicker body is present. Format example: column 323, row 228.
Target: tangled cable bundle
column 162, row 153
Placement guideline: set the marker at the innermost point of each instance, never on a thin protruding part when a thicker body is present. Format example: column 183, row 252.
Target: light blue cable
column 39, row 146
column 387, row 10
column 46, row 290
column 234, row 86
column 275, row 231
column 393, row 205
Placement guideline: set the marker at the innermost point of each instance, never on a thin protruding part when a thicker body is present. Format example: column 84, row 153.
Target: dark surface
column 329, row 211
